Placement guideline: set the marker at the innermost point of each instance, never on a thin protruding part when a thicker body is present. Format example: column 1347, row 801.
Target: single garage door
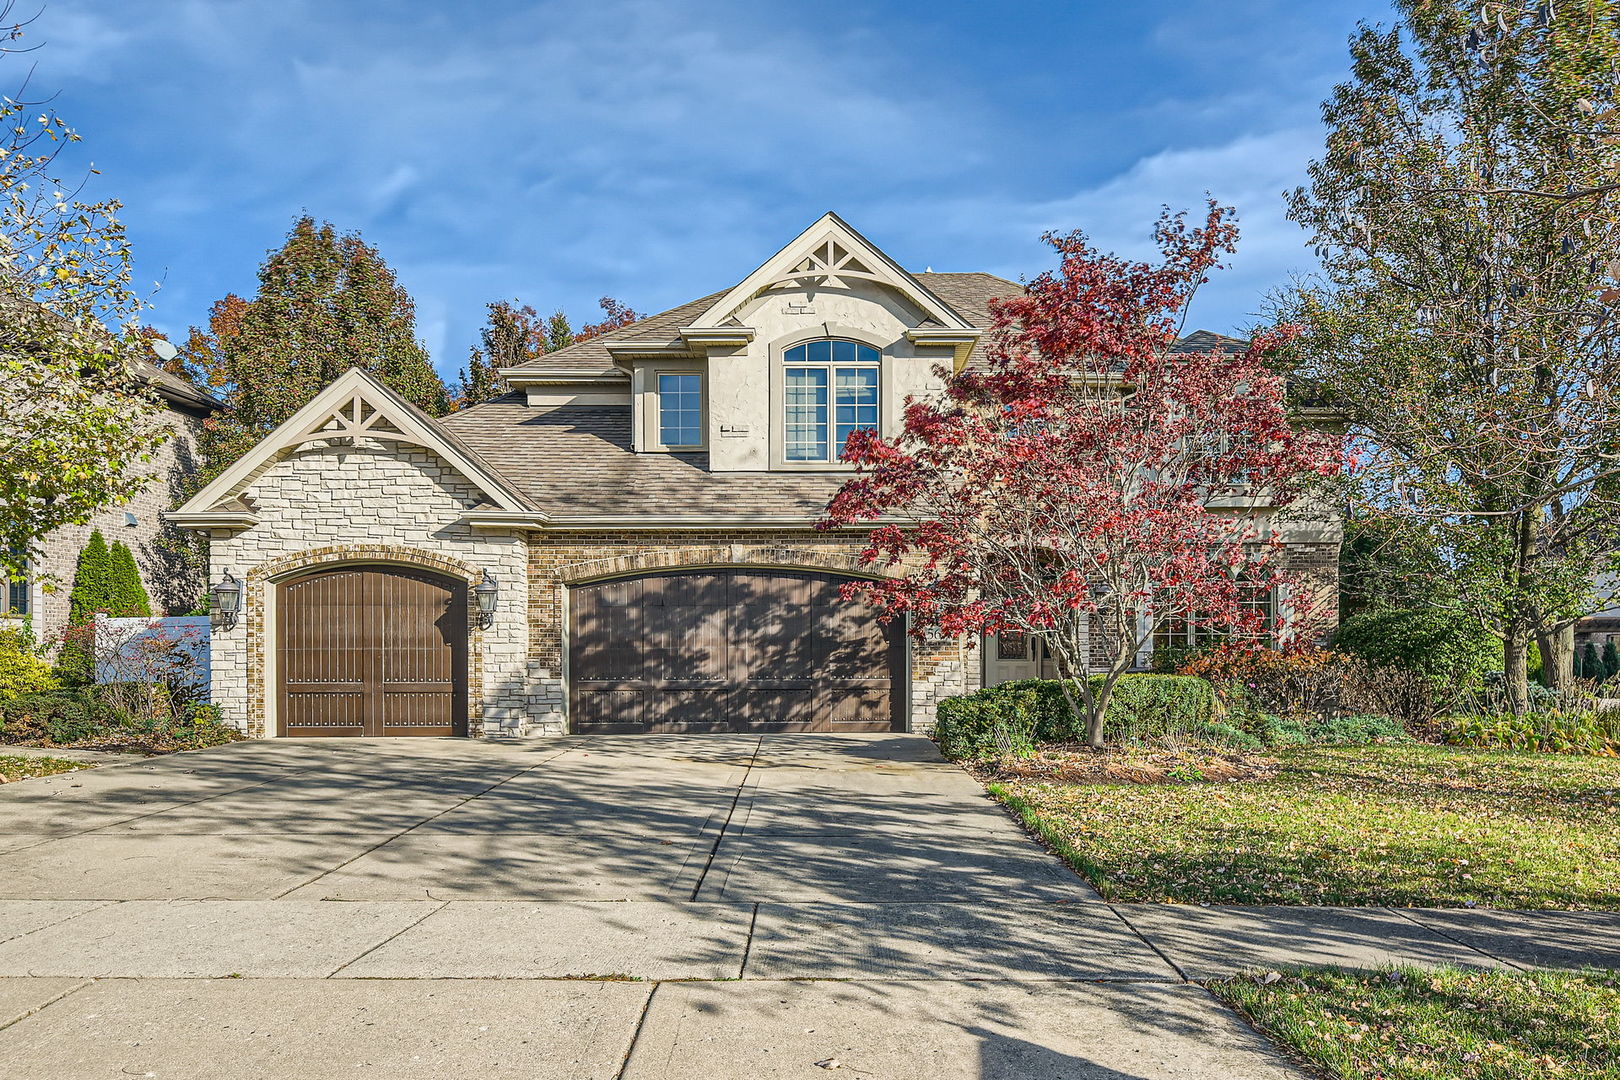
column 731, row 650
column 372, row 650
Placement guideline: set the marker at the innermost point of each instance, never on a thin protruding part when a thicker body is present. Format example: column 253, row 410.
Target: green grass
column 15, row 767
column 1440, row 1025
column 1418, row 826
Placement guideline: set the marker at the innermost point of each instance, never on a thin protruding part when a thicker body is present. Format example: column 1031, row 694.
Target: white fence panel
column 154, row 650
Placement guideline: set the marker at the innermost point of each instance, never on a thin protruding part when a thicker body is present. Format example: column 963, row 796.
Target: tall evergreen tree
column 125, row 592
column 1588, row 666
column 326, row 302
column 92, row 580
column 1611, row 660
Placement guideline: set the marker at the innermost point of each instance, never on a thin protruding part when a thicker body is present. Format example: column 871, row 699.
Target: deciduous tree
column 1091, row 482
column 1467, row 214
column 513, row 335
column 326, row 302
column 77, row 425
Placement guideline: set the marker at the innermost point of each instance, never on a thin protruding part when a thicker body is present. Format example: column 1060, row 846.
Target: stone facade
column 370, row 502
column 173, row 578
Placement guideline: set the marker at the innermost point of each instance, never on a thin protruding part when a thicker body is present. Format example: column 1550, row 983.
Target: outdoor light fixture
column 228, row 599
column 486, row 592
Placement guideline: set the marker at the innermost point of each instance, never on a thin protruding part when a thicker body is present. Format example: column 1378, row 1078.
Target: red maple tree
column 1089, row 481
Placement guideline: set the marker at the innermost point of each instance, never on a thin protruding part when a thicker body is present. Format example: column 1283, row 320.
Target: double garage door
column 731, row 650
column 382, row 650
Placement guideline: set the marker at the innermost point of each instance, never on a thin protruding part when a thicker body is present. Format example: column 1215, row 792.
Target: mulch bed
column 1078, row 764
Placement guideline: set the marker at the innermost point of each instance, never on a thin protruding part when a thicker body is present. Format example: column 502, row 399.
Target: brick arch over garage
column 257, row 616
column 731, row 555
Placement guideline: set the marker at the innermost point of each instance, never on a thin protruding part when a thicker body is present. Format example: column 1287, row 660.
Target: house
column 174, row 584
column 622, row 543
column 1601, row 626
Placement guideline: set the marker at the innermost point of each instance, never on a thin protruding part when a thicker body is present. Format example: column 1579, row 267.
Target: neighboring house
column 636, row 515
column 173, row 584
column 1601, row 626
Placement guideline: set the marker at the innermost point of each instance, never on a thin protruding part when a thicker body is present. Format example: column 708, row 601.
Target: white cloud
column 1250, row 173
column 655, row 151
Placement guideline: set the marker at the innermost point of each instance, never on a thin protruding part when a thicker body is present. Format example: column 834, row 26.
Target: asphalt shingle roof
column 576, row 460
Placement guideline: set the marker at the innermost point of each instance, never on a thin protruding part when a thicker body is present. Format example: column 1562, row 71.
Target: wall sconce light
column 228, row 599
column 487, row 594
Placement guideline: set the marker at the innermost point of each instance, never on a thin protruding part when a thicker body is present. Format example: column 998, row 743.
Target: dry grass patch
column 1440, row 1025
column 1409, row 826
column 15, row 767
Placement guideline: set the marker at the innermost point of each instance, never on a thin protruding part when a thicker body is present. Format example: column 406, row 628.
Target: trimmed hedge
column 1010, row 720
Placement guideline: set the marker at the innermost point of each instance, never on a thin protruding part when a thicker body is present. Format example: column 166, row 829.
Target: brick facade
column 173, row 578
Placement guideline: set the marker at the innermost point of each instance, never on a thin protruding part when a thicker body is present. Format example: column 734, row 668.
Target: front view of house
column 624, row 543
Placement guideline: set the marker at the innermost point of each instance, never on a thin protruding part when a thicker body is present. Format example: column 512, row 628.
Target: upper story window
column 830, row 391
column 680, row 409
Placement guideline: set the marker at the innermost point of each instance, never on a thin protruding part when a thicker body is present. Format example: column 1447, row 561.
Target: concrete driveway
column 636, row 907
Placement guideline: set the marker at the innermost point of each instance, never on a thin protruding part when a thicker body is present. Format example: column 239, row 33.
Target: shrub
column 1444, row 644
column 90, row 714
column 1227, row 735
column 1590, row 732
column 1360, row 730
column 59, row 717
column 989, row 724
column 126, row 595
column 1011, row 719
column 1154, row 706
column 1302, row 681
column 22, row 671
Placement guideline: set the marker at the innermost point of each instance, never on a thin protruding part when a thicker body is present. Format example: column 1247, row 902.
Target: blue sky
column 657, row 151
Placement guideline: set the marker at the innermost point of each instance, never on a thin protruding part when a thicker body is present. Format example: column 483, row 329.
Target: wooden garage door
column 731, row 650
column 372, row 650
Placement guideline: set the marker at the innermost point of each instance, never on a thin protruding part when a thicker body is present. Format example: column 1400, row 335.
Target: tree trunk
column 1516, row 670
column 1558, row 656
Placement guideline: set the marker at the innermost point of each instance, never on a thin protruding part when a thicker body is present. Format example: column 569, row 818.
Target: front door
column 371, row 650
column 1012, row 656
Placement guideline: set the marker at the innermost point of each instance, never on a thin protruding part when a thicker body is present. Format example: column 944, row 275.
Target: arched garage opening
column 371, row 650
column 731, row 649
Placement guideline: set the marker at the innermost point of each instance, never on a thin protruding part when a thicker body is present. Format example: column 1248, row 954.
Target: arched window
column 830, row 390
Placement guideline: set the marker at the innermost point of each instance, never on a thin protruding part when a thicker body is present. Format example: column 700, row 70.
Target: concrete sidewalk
column 643, row 907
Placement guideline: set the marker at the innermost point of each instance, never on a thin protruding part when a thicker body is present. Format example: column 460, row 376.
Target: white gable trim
column 355, row 406
column 861, row 261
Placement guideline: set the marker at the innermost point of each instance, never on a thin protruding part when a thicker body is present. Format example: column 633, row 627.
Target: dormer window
column 830, row 391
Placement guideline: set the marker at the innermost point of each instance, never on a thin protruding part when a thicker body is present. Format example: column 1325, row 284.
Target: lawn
column 1410, row 825
column 13, row 767
column 1440, row 1025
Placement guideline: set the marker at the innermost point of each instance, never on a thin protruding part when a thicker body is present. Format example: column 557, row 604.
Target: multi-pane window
column 830, row 391
column 1177, row 631
column 680, row 409
column 14, row 597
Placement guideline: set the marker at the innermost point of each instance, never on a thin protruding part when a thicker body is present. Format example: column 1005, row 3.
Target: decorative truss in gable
column 353, row 408
column 828, row 254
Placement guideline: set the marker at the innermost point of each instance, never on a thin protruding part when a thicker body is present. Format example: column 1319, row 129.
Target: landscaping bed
column 1439, row 1024
column 13, row 767
column 1406, row 825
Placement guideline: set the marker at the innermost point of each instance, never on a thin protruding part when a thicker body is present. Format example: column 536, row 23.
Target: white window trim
column 778, row 399
column 652, row 410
